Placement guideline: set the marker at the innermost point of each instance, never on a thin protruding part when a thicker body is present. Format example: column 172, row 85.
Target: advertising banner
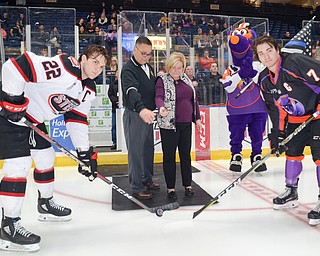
column 202, row 137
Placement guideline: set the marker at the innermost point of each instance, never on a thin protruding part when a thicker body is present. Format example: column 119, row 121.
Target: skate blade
column 9, row 246
column 314, row 222
column 288, row 205
column 53, row 218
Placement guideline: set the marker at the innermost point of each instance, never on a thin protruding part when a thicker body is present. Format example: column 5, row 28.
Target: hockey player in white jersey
column 41, row 88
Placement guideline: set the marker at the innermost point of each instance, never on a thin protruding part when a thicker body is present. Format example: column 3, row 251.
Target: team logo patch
column 61, row 103
column 74, row 62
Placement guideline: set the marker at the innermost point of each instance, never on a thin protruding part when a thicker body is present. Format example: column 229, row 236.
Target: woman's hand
column 163, row 111
column 198, row 125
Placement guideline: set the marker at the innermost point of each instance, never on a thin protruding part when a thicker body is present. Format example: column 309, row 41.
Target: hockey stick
column 158, row 210
column 243, row 89
column 255, row 165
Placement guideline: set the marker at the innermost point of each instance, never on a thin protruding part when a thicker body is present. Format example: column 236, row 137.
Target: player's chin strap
column 88, row 174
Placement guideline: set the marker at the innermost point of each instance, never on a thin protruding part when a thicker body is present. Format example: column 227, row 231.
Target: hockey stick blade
column 256, row 165
column 232, row 185
column 158, row 210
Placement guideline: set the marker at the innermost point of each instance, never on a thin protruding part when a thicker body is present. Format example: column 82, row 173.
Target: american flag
column 301, row 42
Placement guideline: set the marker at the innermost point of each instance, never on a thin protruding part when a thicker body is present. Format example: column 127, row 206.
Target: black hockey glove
column 90, row 159
column 275, row 138
column 13, row 107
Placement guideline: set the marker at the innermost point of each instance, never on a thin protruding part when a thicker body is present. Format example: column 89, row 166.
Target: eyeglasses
column 144, row 54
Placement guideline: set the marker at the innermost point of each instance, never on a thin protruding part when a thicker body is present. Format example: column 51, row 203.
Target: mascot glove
column 246, row 69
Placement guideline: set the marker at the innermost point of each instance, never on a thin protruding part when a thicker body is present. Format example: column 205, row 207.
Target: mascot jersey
column 250, row 101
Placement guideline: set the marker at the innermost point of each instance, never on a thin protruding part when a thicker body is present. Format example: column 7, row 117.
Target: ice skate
column 14, row 237
column 287, row 199
column 50, row 211
column 236, row 163
column 254, row 160
column 314, row 216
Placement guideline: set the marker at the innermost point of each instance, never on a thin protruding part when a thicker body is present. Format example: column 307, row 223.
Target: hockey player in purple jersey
column 291, row 89
column 245, row 105
column 41, row 88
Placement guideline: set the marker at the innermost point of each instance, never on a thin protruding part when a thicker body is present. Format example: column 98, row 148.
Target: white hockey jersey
column 53, row 87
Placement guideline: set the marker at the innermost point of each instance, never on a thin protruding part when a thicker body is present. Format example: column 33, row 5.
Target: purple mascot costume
column 244, row 105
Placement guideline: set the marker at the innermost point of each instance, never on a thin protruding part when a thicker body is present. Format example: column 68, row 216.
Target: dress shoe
column 152, row 186
column 172, row 195
column 189, row 192
column 143, row 195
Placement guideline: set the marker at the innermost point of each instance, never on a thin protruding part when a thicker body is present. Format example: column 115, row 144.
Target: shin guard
column 293, row 170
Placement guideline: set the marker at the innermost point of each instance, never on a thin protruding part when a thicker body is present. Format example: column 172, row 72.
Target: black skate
column 287, row 199
column 14, row 237
column 51, row 211
column 314, row 216
column 236, row 163
column 254, row 160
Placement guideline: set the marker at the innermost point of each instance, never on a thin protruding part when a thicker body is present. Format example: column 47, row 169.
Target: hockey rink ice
column 243, row 223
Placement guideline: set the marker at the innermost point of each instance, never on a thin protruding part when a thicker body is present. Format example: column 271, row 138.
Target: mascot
column 245, row 105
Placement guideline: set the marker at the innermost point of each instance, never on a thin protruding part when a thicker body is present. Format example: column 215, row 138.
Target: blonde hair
column 174, row 58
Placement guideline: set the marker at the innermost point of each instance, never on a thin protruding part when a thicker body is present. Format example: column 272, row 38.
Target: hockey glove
column 90, row 159
column 275, row 138
column 13, row 107
column 246, row 69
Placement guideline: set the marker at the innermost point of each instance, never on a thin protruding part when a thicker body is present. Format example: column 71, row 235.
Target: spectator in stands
column 4, row 21
column 316, row 50
column 4, row 34
column 92, row 15
column 55, row 37
column 286, row 38
column 205, row 61
column 114, row 64
column 98, row 37
column 114, row 98
column 204, row 24
column 103, row 21
column 103, row 7
column 81, row 23
column 41, row 37
column 91, row 26
column 83, row 35
column 127, row 27
column 210, row 35
column 111, row 40
column 180, row 38
column 186, row 22
column 162, row 25
column 211, row 24
column 44, row 51
column 214, row 89
column 217, row 29
column 22, row 20
column 59, row 51
column 112, row 26
column 199, row 89
column 113, row 16
column 16, row 32
column 197, row 37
